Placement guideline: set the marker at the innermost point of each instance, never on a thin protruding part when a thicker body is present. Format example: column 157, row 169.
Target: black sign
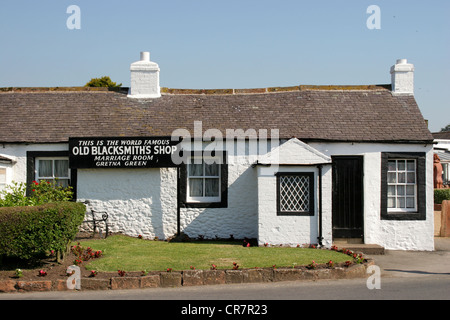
column 120, row 152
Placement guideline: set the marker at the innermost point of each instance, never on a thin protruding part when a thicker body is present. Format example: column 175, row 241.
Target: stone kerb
column 194, row 278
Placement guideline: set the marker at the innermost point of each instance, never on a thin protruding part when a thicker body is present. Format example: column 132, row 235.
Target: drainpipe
column 320, row 238
column 178, row 201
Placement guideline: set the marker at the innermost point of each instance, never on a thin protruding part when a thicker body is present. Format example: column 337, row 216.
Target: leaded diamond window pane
column 295, row 193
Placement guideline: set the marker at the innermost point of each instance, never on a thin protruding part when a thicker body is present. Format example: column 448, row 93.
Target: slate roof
column 310, row 113
column 442, row 135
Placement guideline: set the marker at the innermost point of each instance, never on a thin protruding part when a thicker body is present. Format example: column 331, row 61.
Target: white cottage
column 291, row 165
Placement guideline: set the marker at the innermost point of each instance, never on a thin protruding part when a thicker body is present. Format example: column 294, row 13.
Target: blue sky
column 231, row 44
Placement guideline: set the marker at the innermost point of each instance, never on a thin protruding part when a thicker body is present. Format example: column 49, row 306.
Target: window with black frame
column 403, row 186
column 204, row 180
column 295, row 193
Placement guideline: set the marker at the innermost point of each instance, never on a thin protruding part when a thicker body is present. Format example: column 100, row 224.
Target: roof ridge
column 60, row 89
column 377, row 87
column 175, row 91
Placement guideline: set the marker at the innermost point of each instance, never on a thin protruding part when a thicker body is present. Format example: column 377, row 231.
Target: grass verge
column 133, row 254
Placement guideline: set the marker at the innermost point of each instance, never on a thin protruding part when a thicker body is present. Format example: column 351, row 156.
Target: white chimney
column 144, row 78
column 402, row 77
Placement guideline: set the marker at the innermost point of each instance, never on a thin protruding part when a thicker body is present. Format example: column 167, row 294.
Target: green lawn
column 132, row 254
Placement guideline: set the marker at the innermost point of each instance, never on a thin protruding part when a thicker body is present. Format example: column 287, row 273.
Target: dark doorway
column 348, row 191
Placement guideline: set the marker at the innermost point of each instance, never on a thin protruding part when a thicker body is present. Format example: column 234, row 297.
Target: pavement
column 416, row 263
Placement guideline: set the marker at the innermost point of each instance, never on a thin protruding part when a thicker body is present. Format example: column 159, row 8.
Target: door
column 347, row 201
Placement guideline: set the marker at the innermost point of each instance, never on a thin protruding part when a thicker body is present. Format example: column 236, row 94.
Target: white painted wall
column 292, row 230
column 238, row 219
column 138, row 201
column 143, row 201
column 18, row 153
column 395, row 235
column 442, row 143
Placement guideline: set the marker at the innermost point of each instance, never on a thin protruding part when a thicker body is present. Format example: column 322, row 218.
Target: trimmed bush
column 31, row 232
column 441, row 195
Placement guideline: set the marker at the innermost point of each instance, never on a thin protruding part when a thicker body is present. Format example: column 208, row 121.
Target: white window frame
column 53, row 177
column 3, row 181
column 208, row 160
column 405, row 184
column 445, row 172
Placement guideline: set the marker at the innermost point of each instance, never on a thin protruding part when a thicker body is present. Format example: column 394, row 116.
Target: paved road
column 404, row 275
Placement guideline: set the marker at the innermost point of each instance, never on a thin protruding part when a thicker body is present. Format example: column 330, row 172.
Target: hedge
column 31, row 232
column 441, row 195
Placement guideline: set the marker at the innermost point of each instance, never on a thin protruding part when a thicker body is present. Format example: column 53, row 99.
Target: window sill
column 404, row 215
column 286, row 214
column 221, row 204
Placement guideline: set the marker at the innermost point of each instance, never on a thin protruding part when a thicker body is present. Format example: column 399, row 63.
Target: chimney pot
column 145, row 56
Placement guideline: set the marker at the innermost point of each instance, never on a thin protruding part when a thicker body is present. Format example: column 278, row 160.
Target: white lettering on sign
column 121, row 152
column 165, row 149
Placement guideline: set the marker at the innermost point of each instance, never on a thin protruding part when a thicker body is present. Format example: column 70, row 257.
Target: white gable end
column 294, row 151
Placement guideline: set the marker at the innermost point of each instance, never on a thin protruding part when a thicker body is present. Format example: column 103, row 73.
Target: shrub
column 104, row 81
column 50, row 191
column 441, row 195
column 42, row 192
column 14, row 195
column 31, row 232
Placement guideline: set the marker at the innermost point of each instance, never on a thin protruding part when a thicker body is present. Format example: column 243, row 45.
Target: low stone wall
column 193, row 278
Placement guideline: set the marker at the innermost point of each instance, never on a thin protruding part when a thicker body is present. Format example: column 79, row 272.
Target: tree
column 446, row 128
column 102, row 82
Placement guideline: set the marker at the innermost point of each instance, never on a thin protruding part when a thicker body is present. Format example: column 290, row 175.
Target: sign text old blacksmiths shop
column 121, row 152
